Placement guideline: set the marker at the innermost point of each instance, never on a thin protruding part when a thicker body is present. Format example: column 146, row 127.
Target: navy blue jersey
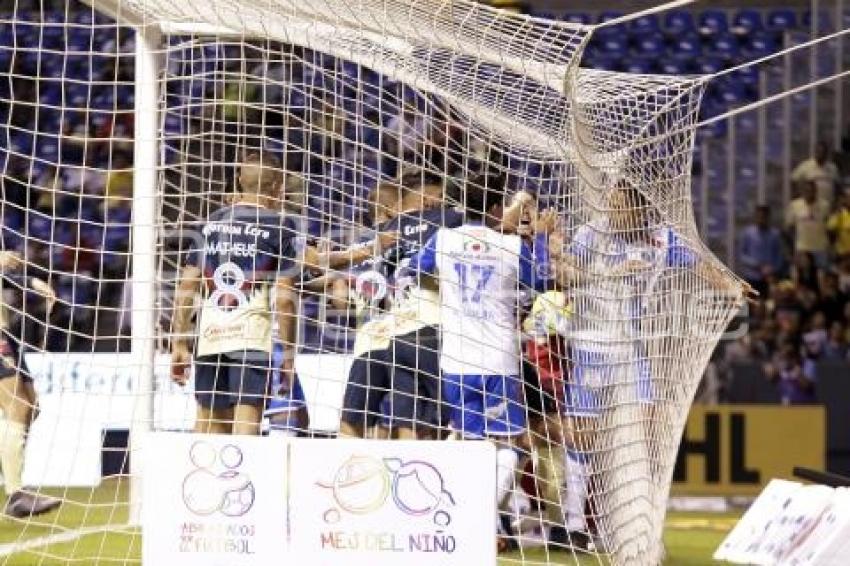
column 415, row 228
column 241, row 250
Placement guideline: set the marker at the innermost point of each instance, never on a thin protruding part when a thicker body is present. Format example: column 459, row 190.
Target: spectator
column 820, row 170
column 760, row 253
column 804, row 272
column 831, row 300
column 838, row 226
column 806, row 219
column 842, row 272
column 119, row 182
column 814, row 341
column 836, row 346
column 793, row 376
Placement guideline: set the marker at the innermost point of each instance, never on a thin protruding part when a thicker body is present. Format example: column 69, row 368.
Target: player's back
column 245, row 249
column 480, row 272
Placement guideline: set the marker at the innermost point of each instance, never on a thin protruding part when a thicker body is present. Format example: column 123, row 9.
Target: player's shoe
column 23, row 504
column 561, row 540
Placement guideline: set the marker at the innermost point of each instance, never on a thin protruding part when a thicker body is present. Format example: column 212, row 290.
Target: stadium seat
column 713, row 22
column 640, row 65
column 747, row 76
column 732, row 92
column 545, row 15
column 824, row 21
column 747, row 22
column 674, row 66
column 612, row 45
column 613, row 29
column 781, row 20
column 645, row 24
column 577, row 18
column 678, row 22
column 650, row 44
column 760, row 45
column 709, row 65
column 725, row 45
column 687, row 46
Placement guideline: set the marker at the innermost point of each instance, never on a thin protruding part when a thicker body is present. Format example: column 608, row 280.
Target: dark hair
column 418, row 178
column 482, row 193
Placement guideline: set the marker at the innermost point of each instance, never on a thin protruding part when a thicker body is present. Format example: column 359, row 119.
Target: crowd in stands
column 799, row 261
column 76, row 216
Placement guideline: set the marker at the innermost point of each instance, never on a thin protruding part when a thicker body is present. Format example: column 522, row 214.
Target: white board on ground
column 213, row 500
column 369, row 503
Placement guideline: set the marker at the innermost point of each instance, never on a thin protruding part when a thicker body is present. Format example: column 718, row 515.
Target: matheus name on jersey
column 245, row 249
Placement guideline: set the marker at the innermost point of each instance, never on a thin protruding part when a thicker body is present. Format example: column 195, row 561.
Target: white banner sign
column 791, row 524
column 369, row 503
column 231, row 501
column 214, row 500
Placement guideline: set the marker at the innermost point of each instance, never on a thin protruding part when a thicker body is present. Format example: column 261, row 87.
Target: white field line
column 65, row 536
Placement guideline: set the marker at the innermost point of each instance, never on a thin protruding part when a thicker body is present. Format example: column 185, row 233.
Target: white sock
column 574, row 494
column 506, row 464
column 12, row 440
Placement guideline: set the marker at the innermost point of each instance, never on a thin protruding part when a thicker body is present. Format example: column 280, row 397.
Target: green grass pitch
column 690, row 538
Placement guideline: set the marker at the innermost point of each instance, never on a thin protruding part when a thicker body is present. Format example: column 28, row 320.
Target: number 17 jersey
column 481, row 273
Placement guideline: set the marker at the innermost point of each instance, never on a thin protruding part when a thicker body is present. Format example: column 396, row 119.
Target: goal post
column 144, row 245
column 372, row 115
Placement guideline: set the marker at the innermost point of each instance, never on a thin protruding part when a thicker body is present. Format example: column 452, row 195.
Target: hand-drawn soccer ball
column 237, row 501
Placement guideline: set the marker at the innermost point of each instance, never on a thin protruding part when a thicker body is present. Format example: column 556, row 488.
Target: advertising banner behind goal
column 237, row 500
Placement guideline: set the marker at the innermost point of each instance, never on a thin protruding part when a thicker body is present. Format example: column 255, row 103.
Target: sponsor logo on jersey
column 475, row 246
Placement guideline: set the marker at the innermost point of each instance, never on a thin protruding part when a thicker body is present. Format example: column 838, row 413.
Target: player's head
column 261, row 175
column 484, row 197
column 630, row 211
column 520, row 214
column 421, row 189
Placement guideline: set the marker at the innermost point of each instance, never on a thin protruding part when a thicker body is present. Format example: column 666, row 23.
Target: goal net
column 453, row 229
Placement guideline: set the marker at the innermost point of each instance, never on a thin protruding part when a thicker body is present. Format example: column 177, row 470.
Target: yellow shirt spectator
column 839, row 226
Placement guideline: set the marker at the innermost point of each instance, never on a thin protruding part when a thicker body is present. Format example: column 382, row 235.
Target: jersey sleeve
column 526, row 266
column 679, row 254
column 425, row 260
column 581, row 246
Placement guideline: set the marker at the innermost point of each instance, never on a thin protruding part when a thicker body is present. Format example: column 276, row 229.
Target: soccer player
column 613, row 266
column 18, row 400
column 396, row 355
column 245, row 268
column 480, row 273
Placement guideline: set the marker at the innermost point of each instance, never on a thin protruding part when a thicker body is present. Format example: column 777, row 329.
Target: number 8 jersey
column 245, row 249
column 481, row 273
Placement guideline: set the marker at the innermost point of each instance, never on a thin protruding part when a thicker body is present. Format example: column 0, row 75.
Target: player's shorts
column 484, row 405
column 12, row 361
column 239, row 378
column 596, row 377
column 400, row 384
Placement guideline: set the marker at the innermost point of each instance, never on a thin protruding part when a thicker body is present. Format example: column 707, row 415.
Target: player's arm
column 424, row 261
column 352, row 255
column 287, row 317
column 681, row 255
column 188, row 286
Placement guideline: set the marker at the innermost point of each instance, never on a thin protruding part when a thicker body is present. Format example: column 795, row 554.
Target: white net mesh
column 379, row 120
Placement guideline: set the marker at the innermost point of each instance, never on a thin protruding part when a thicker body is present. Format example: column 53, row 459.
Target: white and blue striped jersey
column 481, row 272
column 612, row 300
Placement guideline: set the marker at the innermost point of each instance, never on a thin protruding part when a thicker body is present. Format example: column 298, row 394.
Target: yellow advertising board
column 738, row 449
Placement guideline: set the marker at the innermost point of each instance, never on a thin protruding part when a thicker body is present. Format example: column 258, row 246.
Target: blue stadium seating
column 747, row 22
column 679, row 22
column 713, row 22
column 781, row 20
column 577, row 18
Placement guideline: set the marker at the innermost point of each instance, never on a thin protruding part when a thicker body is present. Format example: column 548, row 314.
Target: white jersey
column 480, row 273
